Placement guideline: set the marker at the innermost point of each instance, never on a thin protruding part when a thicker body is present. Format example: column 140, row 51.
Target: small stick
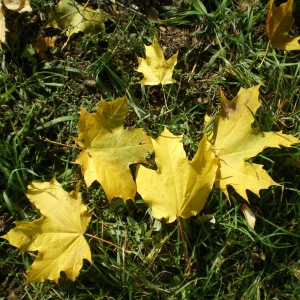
column 184, row 247
column 63, row 145
column 131, row 9
column 165, row 97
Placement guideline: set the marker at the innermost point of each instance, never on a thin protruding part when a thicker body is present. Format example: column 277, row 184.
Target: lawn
column 221, row 45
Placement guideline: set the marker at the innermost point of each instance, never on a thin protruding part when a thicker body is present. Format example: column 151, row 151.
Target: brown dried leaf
column 43, row 43
column 278, row 25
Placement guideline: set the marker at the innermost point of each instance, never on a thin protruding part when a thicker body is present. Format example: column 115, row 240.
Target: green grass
column 220, row 46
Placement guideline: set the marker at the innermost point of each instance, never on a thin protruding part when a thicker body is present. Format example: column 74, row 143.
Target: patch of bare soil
column 11, row 287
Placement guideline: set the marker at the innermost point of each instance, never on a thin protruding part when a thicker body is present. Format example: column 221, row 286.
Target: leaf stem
column 184, row 247
column 107, row 242
column 63, row 145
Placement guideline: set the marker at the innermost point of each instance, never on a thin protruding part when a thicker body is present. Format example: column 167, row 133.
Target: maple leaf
column 70, row 15
column 109, row 149
column 155, row 68
column 179, row 187
column 278, row 25
column 235, row 141
column 16, row 5
column 57, row 235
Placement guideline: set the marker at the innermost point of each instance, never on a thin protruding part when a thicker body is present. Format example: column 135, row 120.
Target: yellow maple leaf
column 155, row 68
column 234, row 141
column 57, row 235
column 109, row 149
column 278, row 25
column 16, row 5
column 70, row 15
column 179, row 187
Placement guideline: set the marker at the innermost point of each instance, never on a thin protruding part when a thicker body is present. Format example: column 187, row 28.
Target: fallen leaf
column 2, row 26
column 57, row 235
column 42, row 44
column 16, row 5
column 249, row 215
column 278, row 25
column 156, row 250
column 70, row 15
column 155, row 68
column 242, row 5
column 178, row 187
column 295, row 268
column 205, row 218
column 152, row 13
column 234, row 141
column 109, row 149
